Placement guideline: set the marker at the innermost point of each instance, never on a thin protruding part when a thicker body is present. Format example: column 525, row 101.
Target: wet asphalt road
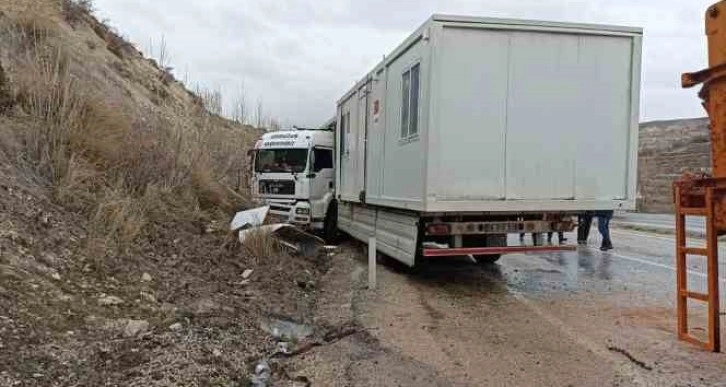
column 641, row 261
column 608, row 314
column 571, row 318
column 659, row 222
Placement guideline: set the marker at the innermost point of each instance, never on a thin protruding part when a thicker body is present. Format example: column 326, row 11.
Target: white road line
column 664, row 238
column 647, row 262
column 660, row 226
column 721, row 245
column 656, row 264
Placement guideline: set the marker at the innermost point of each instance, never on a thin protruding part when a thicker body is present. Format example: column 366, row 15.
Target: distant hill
column 667, row 150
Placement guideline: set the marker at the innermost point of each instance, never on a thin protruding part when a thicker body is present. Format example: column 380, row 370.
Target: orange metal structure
column 702, row 195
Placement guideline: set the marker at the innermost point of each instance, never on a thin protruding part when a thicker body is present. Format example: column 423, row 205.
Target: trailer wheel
column 488, row 241
column 330, row 225
column 487, row 259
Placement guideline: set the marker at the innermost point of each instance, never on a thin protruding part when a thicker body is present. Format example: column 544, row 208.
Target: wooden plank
column 695, row 251
column 681, row 279
column 696, row 296
column 692, row 340
column 693, row 211
column 714, row 321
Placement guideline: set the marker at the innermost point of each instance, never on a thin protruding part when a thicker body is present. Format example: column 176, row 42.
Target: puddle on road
column 285, row 329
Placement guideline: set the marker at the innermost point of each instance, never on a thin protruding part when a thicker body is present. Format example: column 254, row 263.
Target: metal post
column 372, row 263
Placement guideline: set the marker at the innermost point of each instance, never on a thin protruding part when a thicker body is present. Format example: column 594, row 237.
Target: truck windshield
column 281, row 160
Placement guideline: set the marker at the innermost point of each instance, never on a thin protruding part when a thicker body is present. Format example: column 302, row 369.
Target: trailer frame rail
column 459, row 251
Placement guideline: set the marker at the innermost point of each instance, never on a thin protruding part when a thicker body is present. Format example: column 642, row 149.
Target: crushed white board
column 266, row 229
column 250, row 218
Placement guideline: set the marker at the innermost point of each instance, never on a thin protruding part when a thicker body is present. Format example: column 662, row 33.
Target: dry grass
column 122, row 165
column 118, row 217
column 76, row 11
column 6, row 98
column 261, row 245
column 35, row 20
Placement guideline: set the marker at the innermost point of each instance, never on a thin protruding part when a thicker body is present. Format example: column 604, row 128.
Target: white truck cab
column 293, row 174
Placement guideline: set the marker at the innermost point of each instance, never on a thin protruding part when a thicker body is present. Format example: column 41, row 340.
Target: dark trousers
column 560, row 236
column 603, row 225
column 584, row 222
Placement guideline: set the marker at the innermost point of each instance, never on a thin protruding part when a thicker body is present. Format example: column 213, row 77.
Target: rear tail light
column 438, row 229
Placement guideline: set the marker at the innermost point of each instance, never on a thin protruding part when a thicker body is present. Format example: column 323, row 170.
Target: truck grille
column 277, row 187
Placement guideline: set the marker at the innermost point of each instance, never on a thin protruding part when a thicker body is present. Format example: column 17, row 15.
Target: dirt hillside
column 668, row 149
column 116, row 188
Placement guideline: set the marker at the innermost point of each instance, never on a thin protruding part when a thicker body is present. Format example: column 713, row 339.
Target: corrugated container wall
column 474, row 114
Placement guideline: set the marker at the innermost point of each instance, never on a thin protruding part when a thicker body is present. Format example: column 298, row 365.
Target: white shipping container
column 490, row 115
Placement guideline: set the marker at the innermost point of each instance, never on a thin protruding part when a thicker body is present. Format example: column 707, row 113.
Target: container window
column 342, row 135
column 405, row 103
column 323, row 159
column 347, row 133
column 410, row 90
column 413, row 129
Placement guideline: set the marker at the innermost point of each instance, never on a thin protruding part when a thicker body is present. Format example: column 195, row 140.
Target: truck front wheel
column 330, row 225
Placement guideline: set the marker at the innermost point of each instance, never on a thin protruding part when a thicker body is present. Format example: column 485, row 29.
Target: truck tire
column 487, row 259
column 330, row 225
column 486, row 241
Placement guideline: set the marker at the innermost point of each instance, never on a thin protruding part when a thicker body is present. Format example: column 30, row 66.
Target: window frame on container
column 344, row 134
column 410, row 117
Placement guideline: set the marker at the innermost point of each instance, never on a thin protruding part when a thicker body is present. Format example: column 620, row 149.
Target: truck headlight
column 302, row 211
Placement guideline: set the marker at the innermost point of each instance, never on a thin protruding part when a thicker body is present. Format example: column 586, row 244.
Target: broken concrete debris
column 261, row 378
column 134, row 328
column 301, row 381
column 286, row 330
column 106, row 300
column 283, row 347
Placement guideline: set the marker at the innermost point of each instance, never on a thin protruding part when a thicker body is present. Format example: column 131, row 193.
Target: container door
column 347, row 149
column 362, row 138
column 375, row 136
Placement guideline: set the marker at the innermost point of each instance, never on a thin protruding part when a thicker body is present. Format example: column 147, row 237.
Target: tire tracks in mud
column 360, row 359
column 468, row 297
column 623, row 369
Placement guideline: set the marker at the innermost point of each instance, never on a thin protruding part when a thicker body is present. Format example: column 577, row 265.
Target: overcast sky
column 299, row 57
